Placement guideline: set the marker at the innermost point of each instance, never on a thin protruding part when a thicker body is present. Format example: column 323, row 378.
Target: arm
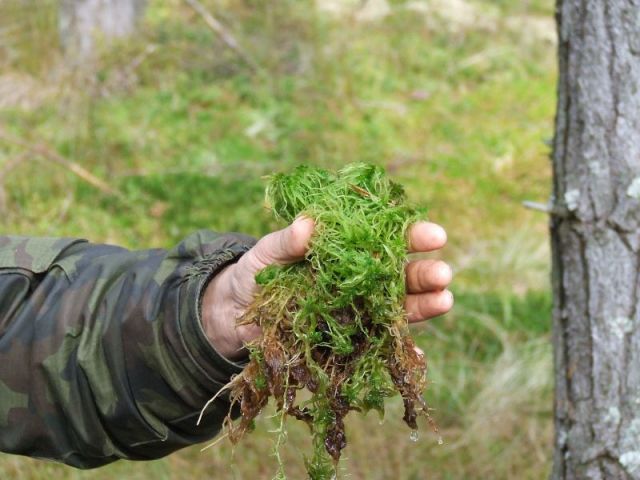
column 108, row 354
column 102, row 353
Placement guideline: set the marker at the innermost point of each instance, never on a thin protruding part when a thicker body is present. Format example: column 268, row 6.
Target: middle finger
column 427, row 276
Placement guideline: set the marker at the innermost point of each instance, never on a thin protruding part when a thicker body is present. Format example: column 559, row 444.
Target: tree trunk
column 595, row 234
column 82, row 21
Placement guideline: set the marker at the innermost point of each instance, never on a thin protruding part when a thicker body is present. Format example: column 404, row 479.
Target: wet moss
column 334, row 324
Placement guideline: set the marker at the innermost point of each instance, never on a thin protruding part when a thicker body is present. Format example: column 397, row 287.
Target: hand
column 232, row 290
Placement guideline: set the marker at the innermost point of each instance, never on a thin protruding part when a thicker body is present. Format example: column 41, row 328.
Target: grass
column 457, row 111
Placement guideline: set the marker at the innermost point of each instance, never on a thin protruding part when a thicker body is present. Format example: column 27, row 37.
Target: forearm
column 102, row 354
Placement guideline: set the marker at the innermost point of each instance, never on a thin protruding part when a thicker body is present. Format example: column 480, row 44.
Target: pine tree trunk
column 595, row 230
column 83, row 21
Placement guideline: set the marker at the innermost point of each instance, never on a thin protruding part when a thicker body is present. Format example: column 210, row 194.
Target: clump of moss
column 334, row 324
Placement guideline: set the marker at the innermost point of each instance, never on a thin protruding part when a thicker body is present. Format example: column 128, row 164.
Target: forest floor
column 454, row 98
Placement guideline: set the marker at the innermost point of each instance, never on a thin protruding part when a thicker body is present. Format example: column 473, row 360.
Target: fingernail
column 442, row 233
column 449, row 298
column 444, row 272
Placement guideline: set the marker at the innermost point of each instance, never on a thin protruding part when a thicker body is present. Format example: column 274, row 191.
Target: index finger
column 426, row 236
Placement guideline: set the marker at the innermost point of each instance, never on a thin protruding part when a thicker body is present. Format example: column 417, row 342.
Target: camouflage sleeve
column 102, row 354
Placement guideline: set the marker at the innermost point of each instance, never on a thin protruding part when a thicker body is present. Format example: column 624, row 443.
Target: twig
column 227, row 38
column 547, row 208
column 540, row 207
column 47, row 153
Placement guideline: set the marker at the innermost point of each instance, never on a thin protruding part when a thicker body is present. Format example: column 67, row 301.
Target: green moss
column 334, row 324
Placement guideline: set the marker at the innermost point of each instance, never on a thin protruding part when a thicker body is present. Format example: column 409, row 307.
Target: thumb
column 283, row 246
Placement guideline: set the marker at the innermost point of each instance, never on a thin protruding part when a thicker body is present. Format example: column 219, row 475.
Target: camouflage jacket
column 102, row 354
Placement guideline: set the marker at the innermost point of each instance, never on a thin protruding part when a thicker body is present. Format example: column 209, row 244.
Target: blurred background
column 135, row 123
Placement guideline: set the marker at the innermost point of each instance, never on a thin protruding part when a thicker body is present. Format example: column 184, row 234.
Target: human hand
column 233, row 289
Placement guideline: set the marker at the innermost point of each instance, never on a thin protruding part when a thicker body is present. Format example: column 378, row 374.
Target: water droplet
column 413, row 436
column 440, row 441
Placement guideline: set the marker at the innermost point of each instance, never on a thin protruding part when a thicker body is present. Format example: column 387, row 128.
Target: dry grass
column 511, row 415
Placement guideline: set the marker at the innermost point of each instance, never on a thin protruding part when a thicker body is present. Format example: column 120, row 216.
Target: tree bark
column 595, row 236
column 82, row 21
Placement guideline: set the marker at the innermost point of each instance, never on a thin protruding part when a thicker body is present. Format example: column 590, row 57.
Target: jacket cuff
column 204, row 359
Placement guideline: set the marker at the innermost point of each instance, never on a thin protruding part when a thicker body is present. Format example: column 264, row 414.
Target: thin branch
column 546, row 208
column 540, row 207
column 53, row 156
column 227, row 38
